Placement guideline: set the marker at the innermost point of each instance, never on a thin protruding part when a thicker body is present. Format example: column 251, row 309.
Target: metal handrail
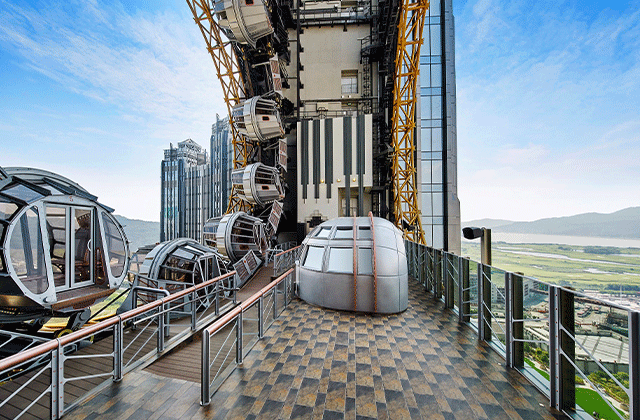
column 285, row 259
column 54, row 349
column 560, row 300
column 235, row 315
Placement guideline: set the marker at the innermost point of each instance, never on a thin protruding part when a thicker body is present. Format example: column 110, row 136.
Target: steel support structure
column 230, row 76
column 403, row 129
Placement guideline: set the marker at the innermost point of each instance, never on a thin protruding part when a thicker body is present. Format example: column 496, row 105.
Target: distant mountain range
column 620, row 224
column 139, row 232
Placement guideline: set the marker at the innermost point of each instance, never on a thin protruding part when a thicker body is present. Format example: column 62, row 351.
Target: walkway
column 323, row 364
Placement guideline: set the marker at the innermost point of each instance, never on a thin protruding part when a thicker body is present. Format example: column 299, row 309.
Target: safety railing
column 230, row 338
column 64, row 378
column 580, row 351
column 271, row 252
column 284, row 260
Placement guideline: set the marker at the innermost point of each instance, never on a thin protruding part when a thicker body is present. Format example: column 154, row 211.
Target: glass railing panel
column 497, row 309
column 601, row 337
column 453, row 274
column 473, row 294
column 534, row 330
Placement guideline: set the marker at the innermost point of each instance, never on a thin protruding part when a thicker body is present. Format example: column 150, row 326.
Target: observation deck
column 476, row 342
column 325, row 364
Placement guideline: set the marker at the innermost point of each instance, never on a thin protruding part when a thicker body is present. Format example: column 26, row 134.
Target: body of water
column 534, row 238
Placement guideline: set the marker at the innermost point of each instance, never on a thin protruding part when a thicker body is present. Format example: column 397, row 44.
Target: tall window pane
column 27, row 252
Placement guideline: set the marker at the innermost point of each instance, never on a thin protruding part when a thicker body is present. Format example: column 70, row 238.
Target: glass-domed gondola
column 60, row 250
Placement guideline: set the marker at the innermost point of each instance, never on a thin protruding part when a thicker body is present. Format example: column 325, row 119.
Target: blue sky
column 548, row 100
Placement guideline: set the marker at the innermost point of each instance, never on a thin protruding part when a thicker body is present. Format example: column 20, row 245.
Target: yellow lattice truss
column 405, row 186
column 230, row 77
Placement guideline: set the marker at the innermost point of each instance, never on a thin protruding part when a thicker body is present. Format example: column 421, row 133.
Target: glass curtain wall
column 431, row 128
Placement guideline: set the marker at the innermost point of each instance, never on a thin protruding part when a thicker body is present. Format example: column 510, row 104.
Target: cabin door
column 71, row 230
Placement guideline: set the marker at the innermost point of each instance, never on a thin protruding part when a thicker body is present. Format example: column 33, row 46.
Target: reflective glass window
column 425, row 106
column 344, row 233
column 436, row 107
column 340, row 260
column 323, row 232
column 364, row 232
column 436, row 75
column 57, row 235
column 436, row 48
column 100, row 274
column 22, row 192
column 81, row 226
column 438, row 236
column 27, row 252
column 313, row 259
column 115, row 246
column 426, row 204
column 7, row 208
column 434, row 7
column 436, row 171
column 436, row 140
column 437, row 204
column 365, row 261
column 349, row 81
column 425, row 171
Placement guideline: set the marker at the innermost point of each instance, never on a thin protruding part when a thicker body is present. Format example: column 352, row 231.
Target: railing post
column 517, row 313
column 464, row 292
column 562, row 372
column 449, row 284
column 161, row 329
column 275, row 302
column 239, row 343
column 486, row 301
column 437, row 275
column 118, row 363
column 508, row 320
column 480, row 307
column 634, row 364
column 235, row 284
column 261, row 317
column 205, row 380
column 422, row 265
column 428, row 263
column 218, row 297
column 194, row 304
column 286, row 290
column 57, row 383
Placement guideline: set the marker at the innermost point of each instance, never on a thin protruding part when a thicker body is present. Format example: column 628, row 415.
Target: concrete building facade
column 343, row 63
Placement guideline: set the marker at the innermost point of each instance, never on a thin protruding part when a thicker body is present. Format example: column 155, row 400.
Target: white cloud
column 547, row 120
column 151, row 71
column 516, row 156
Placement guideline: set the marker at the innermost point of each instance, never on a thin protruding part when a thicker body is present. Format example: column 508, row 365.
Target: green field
column 582, row 267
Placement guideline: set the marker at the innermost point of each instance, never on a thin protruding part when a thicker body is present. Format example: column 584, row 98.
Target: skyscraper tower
column 186, row 186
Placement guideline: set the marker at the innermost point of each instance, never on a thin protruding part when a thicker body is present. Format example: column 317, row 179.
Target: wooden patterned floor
column 322, row 364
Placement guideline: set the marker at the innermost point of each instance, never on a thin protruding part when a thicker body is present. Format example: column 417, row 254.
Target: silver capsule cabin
column 244, row 21
column 60, row 250
column 354, row 264
column 258, row 119
column 258, row 184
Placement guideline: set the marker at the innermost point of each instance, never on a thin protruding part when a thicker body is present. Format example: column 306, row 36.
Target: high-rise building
column 186, row 187
column 437, row 141
column 221, row 166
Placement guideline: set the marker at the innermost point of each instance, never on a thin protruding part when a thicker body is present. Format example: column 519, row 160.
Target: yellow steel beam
column 405, row 186
column 230, row 77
